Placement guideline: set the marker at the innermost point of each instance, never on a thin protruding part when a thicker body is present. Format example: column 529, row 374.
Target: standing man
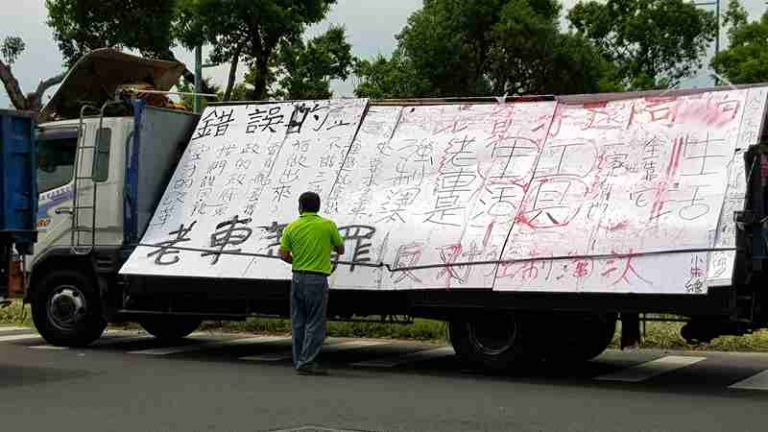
column 306, row 244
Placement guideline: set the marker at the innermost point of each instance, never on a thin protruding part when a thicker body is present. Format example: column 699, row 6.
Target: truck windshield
column 55, row 162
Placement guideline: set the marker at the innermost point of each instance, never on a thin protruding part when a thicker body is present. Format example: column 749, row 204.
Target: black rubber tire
column 469, row 337
column 573, row 338
column 170, row 328
column 86, row 328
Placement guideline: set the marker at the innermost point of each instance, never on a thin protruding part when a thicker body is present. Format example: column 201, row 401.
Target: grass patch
column 421, row 329
column 666, row 335
column 657, row 335
column 16, row 314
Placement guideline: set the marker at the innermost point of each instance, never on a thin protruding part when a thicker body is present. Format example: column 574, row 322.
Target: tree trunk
column 32, row 101
column 12, row 87
column 260, row 80
column 232, row 73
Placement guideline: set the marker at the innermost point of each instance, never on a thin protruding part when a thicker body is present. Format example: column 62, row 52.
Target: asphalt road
column 129, row 382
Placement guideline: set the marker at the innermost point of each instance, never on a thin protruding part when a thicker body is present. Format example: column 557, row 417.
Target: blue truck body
column 18, row 191
column 18, row 186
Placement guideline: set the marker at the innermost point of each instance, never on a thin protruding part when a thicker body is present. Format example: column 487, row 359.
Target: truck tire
column 66, row 308
column 573, row 338
column 493, row 342
column 170, row 328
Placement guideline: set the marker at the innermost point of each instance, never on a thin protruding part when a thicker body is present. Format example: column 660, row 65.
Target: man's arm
column 286, row 256
column 285, row 247
column 336, row 241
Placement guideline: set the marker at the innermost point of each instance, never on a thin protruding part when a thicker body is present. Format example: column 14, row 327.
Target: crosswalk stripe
column 650, row 369
column 407, row 358
column 274, row 357
column 10, row 338
column 208, row 345
column 49, row 347
column 331, row 347
column 7, row 329
column 755, row 382
column 112, row 340
column 351, row 345
column 115, row 340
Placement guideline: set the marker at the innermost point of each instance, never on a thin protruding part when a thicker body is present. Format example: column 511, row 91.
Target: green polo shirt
column 310, row 239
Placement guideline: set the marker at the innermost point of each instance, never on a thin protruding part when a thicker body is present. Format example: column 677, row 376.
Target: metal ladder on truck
column 84, row 188
column 84, row 205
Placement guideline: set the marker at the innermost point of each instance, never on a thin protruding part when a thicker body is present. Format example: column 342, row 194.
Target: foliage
column 11, row 48
column 483, row 47
column 653, row 43
column 83, row 25
column 305, row 70
column 530, row 55
column 391, row 78
column 746, row 59
column 253, row 30
column 188, row 100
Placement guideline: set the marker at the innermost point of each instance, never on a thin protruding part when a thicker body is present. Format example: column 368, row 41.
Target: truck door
column 55, row 169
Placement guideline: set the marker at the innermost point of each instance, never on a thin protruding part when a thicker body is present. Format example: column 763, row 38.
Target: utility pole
column 716, row 4
column 198, row 77
column 717, row 33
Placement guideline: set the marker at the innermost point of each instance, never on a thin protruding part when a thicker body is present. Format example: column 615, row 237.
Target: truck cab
column 92, row 202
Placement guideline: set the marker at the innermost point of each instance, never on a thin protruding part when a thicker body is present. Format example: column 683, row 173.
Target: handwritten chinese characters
column 623, row 196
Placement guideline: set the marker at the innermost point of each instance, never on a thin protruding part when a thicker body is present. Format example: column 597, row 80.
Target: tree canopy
column 305, row 70
column 11, row 48
column 746, row 59
column 482, row 47
column 83, row 25
column 652, row 43
column 447, row 48
column 249, row 30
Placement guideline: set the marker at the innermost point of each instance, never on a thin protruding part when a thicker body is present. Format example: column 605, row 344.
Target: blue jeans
column 309, row 301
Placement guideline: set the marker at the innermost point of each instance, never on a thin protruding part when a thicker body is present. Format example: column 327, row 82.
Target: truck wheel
column 170, row 328
column 492, row 342
column 567, row 339
column 66, row 309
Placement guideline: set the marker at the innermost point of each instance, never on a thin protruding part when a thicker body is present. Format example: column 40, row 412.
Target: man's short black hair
column 309, row 202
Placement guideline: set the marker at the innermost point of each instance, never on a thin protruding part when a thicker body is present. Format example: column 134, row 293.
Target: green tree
column 746, row 59
column 305, row 70
column 11, row 48
column 653, row 43
column 483, row 47
column 389, row 78
column 247, row 30
column 83, row 25
column 188, row 100
column 529, row 55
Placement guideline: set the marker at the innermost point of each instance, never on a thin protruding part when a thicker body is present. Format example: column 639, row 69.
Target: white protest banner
column 621, row 182
column 628, row 196
column 238, row 183
column 441, row 185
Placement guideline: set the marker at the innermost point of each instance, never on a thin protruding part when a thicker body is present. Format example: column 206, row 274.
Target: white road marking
column 351, row 345
column 115, row 340
column 13, row 328
column 10, row 338
column 407, row 358
column 49, row 347
column 208, row 345
column 651, row 369
column 755, row 382
column 275, row 357
column 331, row 347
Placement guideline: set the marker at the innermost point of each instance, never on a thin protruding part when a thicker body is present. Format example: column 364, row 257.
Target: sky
column 371, row 27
